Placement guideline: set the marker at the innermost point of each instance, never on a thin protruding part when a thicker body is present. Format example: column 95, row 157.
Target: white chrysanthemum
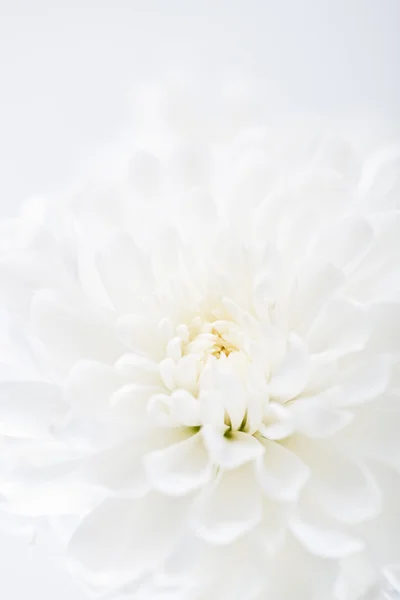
column 202, row 373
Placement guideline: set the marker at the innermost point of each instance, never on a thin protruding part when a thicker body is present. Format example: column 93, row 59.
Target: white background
column 66, row 67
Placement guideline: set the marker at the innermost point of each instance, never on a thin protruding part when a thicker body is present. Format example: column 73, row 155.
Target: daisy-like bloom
column 201, row 382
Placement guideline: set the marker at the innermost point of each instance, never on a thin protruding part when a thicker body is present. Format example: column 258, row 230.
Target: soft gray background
column 66, row 67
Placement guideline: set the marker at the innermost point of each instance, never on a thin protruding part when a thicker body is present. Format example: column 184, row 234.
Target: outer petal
column 228, row 508
column 123, row 538
column 323, row 539
column 30, row 409
column 342, row 486
column 385, row 319
column 180, row 468
column 341, row 327
column 71, row 331
column 344, row 243
column 316, row 282
column 310, row 578
column 123, row 271
column 280, row 472
column 90, row 385
column 291, row 377
column 374, row 434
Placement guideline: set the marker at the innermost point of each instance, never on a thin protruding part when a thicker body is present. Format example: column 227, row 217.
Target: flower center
column 221, row 346
column 206, row 338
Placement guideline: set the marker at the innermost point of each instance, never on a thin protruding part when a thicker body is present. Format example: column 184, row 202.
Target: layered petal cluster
column 201, row 363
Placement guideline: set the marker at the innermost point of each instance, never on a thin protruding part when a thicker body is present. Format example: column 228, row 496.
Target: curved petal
column 310, row 576
column 138, row 368
column 278, row 422
column 181, row 468
column 133, row 331
column 132, row 400
column 90, row 385
column 232, row 396
column 124, row 538
column 316, row 282
column 73, row 331
column 291, row 377
column 281, row 474
column 320, row 537
column 344, row 489
column 273, row 528
column 385, row 319
column 382, row 534
column 123, row 271
column 361, row 380
column 344, row 243
column 315, row 419
column 229, row 507
column 233, row 450
column 30, row 408
column 185, row 408
column 374, row 434
column 119, row 469
column 340, row 328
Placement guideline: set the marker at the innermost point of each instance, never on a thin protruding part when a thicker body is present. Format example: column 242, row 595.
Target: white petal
column 278, row 422
column 139, row 369
column 291, row 377
column 90, row 385
column 185, row 408
column 124, row 538
column 57, row 496
column 85, row 435
column 228, row 508
column 134, row 331
column 166, row 255
column 345, row 490
column 316, row 282
column 344, row 243
column 168, row 373
column 229, row 452
column 159, row 411
column 131, row 401
column 212, row 410
column 392, row 573
column 382, row 534
column 73, row 332
column 380, row 181
column 318, row 421
column 123, row 271
column 364, row 379
column 280, row 472
column 377, row 278
column 243, row 318
column 321, row 539
column 374, row 434
column 385, row 319
column 273, row 527
column 310, row 576
column 30, row 408
column 187, row 373
column 254, row 413
column 174, row 348
column 233, row 397
column 118, row 469
column 264, row 294
column 341, row 327
column 180, row 468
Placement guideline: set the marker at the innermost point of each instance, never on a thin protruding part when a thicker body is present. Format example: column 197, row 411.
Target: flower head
column 205, row 351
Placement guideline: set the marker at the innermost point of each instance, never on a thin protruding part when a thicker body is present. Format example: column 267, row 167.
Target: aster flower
column 201, row 364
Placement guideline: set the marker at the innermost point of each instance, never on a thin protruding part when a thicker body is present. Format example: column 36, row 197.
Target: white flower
column 202, row 376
